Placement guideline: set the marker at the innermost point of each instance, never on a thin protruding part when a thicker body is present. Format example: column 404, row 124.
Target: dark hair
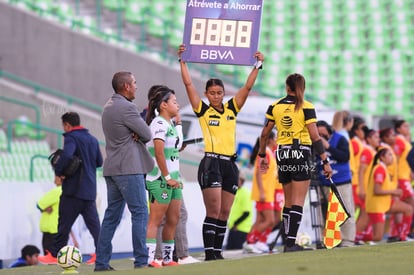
column 72, row 118
column 255, row 149
column 214, row 82
column 323, row 123
column 29, row 250
column 368, row 132
column 119, row 79
column 152, row 91
column 398, row 123
column 380, row 153
column 296, row 83
column 358, row 121
column 159, row 95
column 385, row 132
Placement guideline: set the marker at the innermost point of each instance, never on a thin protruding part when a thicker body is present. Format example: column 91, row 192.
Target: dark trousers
column 69, row 209
column 48, row 241
column 236, row 239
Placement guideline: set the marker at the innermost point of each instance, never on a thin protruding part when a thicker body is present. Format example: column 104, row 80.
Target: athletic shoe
column 393, row 239
column 218, row 255
column 172, row 263
column 188, row 260
column 108, row 268
column 262, row 247
column 296, row 248
column 154, row 264
column 92, row 259
column 250, row 248
column 346, row 244
column 47, row 259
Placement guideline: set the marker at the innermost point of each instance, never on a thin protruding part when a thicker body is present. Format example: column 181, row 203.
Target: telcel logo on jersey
column 216, row 55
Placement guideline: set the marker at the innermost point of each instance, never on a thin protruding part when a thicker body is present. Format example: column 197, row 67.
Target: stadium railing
column 37, row 88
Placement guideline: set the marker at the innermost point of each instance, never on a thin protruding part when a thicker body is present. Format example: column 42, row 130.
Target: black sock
column 219, row 238
column 295, row 216
column 209, row 232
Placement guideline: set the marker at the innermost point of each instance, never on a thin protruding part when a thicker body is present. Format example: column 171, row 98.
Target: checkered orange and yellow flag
column 337, row 215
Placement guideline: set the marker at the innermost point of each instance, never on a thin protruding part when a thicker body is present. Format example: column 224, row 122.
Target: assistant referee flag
column 337, row 215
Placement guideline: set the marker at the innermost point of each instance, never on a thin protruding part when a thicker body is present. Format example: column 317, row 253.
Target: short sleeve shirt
column 165, row 131
column 291, row 124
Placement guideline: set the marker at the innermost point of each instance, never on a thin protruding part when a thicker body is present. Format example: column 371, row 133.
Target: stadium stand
column 338, row 45
column 352, row 59
column 25, row 144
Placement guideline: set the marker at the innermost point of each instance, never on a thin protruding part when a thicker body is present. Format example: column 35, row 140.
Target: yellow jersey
column 291, row 124
column 401, row 148
column 219, row 128
column 374, row 203
column 269, row 178
column 356, row 147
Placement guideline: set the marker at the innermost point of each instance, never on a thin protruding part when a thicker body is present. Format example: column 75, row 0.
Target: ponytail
column 380, row 153
column 296, row 83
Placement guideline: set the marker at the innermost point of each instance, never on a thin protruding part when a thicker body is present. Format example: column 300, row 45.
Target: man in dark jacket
column 78, row 190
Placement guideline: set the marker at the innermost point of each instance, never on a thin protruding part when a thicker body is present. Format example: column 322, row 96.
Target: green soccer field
column 380, row 259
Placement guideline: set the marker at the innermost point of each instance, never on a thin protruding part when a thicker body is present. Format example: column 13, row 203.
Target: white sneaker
column 262, row 247
column 251, row 248
column 188, row 260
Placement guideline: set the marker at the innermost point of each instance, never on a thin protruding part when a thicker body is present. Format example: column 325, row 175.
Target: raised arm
column 242, row 94
column 192, row 93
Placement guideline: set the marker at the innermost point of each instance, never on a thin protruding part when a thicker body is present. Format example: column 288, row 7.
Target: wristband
column 167, row 177
column 325, row 161
column 258, row 65
column 262, row 155
column 179, row 60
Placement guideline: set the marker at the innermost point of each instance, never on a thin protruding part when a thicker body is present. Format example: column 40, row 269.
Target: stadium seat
column 22, row 129
column 3, row 140
column 64, row 13
column 365, row 45
column 114, row 5
column 135, row 11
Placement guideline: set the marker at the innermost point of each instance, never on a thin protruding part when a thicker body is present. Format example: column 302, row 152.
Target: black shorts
column 293, row 163
column 217, row 171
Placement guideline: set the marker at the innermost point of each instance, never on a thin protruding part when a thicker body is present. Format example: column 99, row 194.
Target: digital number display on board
column 222, row 32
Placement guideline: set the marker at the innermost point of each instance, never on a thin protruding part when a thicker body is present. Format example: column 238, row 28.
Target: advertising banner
column 222, row 32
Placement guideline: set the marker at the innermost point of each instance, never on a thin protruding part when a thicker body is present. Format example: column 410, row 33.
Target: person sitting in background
column 402, row 148
column 363, row 227
column 263, row 193
column 387, row 137
column 383, row 197
column 30, row 254
column 240, row 218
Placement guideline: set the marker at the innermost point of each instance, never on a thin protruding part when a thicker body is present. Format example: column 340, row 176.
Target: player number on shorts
column 217, row 32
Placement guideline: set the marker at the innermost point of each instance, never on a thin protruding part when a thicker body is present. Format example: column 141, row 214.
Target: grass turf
column 380, row 259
